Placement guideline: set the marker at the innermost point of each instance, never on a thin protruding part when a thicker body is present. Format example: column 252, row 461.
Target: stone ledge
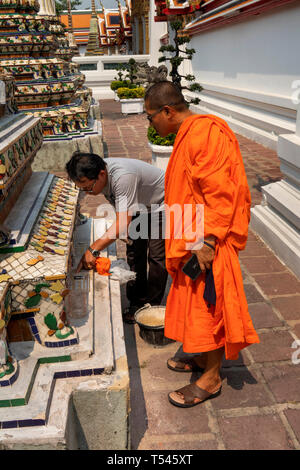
column 67, row 405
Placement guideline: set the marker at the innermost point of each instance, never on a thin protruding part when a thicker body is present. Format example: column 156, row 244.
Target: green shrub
column 130, row 93
column 115, row 84
column 155, row 138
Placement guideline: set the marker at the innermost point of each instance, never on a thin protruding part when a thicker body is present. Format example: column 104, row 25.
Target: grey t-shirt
column 132, row 183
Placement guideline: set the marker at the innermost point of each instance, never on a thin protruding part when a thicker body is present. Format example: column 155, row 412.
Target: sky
column 107, row 4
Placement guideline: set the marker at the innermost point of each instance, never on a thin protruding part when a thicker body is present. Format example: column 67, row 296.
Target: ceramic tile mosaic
column 49, row 301
column 59, row 209
column 36, row 267
column 18, row 145
column 10, row 379
column 27, row 402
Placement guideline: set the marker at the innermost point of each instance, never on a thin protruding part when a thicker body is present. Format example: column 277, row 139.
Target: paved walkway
column 259, row 407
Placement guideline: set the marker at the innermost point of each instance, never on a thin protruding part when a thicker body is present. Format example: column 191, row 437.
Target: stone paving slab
column 263, row 316
column 284, row 382
column 274, row 346
column 255, row 433
column 259, row 407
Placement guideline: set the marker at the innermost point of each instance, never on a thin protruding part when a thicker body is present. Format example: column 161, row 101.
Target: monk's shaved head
column 165, row 93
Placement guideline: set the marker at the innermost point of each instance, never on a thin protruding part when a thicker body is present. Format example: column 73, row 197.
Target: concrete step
column 21, row 221
column 278, row 234
column 288, row 153
column 285, row 199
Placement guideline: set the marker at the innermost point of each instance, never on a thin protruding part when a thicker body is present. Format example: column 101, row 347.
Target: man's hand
column 205, row 256
column 88, row 261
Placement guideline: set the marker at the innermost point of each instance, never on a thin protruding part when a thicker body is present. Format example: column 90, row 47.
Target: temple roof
column 221, row 12
column 110, row 22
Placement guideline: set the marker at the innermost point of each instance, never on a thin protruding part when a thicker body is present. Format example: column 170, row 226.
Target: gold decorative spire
column 93, row 46
column 70, row 35
column 102, row 6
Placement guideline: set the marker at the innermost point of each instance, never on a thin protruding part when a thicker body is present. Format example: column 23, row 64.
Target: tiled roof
column 224, row 12
column 109, row 23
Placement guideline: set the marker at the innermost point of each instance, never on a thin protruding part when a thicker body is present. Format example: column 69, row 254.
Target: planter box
column 132, row 106
column 160, row 155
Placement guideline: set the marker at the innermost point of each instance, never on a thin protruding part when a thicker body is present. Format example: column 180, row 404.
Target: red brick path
column 259, row 407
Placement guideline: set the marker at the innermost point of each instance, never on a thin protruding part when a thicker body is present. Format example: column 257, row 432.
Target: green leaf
column 50, row 321
column 130, row 93
column 61, row 336
column 190, row 78
column 155, row 138
column 33, row 301
column 39, row 287
column 195, row 87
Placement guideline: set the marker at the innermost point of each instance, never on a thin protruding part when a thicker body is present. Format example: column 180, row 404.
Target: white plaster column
column 137, row 42
column 47, row 7
column 144, row 34
column 42, row 10
column 156, row 31
column 277, row 219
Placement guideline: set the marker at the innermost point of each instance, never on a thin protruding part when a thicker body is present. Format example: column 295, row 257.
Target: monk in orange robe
column 205, row 168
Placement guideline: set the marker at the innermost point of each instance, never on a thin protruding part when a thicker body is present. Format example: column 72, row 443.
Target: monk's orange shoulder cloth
column 206, row 168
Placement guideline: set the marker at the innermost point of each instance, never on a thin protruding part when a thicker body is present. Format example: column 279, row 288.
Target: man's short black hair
column 165, row 93
column 86, row 165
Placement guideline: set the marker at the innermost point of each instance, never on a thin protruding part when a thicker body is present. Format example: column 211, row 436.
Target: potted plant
column 161, row 148
column 131, row 99
column 131, row 95
column 119, row 81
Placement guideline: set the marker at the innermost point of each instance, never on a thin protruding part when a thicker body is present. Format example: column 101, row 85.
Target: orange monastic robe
column 206, row 167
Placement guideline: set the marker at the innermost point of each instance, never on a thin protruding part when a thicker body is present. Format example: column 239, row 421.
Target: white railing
column 104, row 61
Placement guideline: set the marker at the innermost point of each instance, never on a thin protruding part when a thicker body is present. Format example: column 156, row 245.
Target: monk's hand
column 88, row 261
column 206, row 255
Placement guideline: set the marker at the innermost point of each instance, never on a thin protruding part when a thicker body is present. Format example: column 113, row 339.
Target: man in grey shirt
column 136, row 190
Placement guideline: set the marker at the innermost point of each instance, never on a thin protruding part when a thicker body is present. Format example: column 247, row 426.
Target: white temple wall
column 248, row 71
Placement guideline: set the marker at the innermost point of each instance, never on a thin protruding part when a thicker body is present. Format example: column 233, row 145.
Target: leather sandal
column 190, row 392
column 181, row 364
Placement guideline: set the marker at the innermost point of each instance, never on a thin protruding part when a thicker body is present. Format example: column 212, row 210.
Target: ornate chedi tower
column 27, row 201
column 71, row 38
column 93, row 46
column 34, row 48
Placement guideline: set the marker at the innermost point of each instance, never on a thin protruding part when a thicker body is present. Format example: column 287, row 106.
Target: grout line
column 214, row 425
column 156, row 439
column 289, row 430
column 256, row 410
